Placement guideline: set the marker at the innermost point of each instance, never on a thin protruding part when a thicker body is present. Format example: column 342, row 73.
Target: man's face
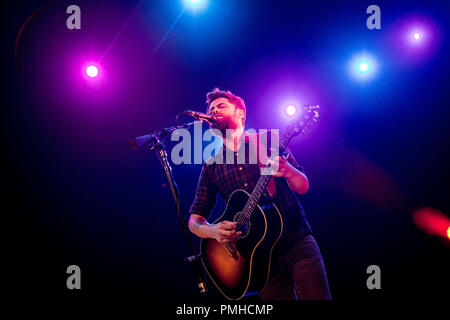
column 229, row 117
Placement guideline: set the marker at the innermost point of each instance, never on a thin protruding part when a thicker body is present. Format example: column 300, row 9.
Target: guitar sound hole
column 244, row 224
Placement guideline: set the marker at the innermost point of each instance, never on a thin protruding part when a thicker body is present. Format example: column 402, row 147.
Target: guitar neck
column 309, row 117
column 261, row 186
column 256, row 194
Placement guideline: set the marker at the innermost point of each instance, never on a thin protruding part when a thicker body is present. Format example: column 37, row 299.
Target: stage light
column 290, row 110
column 195, row 4
column 363, row 66
column 92, row 71
column 416, row 36
column 432, row 221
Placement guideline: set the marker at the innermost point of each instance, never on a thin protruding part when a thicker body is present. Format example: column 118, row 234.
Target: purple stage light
column 416, row 36
column 290, row 110
column 92, row 71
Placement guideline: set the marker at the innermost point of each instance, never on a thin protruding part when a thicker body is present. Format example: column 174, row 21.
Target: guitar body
column 243, row 266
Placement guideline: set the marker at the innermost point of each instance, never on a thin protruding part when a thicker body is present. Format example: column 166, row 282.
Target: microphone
column 202, row 116
column 138, row 142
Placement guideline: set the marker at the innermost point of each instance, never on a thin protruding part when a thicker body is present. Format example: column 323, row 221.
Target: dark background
column 75, row 194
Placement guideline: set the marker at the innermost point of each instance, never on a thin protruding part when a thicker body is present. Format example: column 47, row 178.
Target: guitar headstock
column 308, row 117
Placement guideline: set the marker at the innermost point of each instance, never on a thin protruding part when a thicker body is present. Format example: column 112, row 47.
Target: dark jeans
column 299, row 274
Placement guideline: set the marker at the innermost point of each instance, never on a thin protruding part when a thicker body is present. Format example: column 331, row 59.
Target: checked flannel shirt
column 219, row 177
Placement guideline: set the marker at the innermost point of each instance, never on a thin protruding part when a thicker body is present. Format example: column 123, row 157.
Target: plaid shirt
column 218, row 177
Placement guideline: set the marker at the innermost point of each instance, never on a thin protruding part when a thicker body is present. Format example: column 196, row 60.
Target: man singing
column 297, row 270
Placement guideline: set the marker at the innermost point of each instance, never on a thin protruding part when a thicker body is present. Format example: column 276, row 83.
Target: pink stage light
column 92, row 71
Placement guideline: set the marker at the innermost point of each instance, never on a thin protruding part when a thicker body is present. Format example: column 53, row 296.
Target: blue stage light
column 195, row 4
column 363, row 66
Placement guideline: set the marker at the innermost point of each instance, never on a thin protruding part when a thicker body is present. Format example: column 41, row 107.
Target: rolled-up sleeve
column 205, row 195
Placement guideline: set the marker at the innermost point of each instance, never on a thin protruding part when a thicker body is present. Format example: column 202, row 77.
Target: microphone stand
column 154, row 142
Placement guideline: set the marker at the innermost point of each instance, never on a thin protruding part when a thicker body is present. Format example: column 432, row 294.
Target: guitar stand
column 153, row 142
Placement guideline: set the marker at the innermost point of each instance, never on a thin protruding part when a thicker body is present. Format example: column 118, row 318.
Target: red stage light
column 432, row 221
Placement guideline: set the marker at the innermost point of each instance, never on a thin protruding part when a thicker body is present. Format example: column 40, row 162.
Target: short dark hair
column 216, row 93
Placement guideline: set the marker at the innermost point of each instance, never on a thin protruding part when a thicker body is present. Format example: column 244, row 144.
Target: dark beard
column 223, row 124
